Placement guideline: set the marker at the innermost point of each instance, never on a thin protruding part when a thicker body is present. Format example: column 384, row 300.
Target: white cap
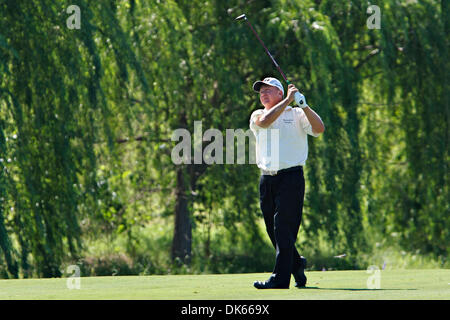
column 270, row 82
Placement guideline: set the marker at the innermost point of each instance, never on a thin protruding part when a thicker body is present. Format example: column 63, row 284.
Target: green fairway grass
column 395, row 284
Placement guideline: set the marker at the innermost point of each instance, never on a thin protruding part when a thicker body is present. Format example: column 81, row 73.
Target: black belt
column 275, row 172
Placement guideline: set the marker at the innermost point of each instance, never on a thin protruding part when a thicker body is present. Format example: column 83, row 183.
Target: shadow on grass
column 352, row 289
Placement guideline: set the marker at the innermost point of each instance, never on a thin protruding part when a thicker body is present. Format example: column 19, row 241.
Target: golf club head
column 241, row 17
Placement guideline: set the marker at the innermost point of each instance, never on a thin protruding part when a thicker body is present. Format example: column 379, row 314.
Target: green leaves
column 93, row 111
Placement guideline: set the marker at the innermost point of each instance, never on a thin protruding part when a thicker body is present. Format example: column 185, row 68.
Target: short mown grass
column 394, row 284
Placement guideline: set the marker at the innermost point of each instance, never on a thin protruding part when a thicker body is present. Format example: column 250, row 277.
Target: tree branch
column 141, row 138
column 372, row 54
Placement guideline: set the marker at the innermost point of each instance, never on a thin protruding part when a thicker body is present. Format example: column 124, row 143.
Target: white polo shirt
column 291, row 131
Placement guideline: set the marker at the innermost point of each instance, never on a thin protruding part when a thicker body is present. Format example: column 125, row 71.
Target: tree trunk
column 182, row 236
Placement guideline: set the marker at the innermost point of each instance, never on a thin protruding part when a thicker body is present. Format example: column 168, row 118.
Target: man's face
column 269, row 96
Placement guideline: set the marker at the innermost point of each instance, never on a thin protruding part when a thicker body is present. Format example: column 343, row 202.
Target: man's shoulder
column 257, row 112
column 298, row 111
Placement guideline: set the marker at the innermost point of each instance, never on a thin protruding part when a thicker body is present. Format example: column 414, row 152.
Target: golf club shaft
column 299, row 98
column 268, row 53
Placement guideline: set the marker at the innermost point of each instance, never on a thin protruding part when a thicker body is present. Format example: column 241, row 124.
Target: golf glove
column 300, row 100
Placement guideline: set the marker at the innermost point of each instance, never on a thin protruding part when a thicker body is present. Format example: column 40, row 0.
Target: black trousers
column 281, row 201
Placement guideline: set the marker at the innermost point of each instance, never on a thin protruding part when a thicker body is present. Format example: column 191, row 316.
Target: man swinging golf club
column 282, row 184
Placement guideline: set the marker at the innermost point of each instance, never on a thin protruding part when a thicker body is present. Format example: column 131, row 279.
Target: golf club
column 299, row 98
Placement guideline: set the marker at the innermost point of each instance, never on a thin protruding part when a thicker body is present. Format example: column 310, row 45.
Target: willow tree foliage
column 87, row 115
column 56, row 104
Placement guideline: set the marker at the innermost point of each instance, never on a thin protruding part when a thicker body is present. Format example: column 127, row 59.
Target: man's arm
column 265, row 120
column 317, row 125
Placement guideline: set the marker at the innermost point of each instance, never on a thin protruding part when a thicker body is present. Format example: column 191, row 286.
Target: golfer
column 282, row 184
